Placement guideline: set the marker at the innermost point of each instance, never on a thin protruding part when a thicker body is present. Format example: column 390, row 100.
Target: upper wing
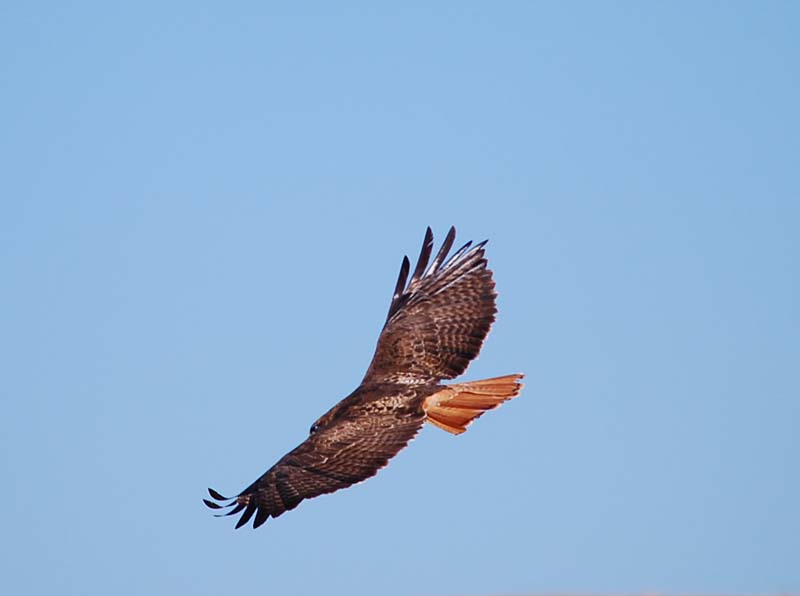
column 436, row 325
column 356, row 442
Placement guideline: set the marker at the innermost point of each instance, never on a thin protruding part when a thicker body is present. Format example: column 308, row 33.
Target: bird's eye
column 314, row 428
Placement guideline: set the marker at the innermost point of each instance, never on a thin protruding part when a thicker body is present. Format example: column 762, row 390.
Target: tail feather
column 455, row 407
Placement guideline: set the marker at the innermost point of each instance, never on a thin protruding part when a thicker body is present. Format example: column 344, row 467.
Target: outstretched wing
column 353, row 446
column 436, row 325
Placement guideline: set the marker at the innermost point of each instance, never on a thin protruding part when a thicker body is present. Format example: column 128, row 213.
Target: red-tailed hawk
column 435, row 327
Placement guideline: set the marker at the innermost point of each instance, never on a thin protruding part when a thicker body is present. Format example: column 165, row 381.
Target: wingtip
column 428, row 241
column 216, row 496
column 261, row 516
column 424, row 257
column 248, row 513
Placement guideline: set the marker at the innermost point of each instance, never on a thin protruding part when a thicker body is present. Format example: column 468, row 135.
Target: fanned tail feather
column 455, row 407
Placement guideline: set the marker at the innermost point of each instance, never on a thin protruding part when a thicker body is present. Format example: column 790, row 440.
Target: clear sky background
column 204, row 209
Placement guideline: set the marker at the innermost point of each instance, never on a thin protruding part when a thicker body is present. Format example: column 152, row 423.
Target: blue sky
column 204, row 208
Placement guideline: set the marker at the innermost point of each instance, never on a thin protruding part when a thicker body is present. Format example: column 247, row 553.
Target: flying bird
column 435, row 327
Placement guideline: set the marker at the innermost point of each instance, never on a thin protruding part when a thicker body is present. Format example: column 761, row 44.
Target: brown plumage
column 435, row 327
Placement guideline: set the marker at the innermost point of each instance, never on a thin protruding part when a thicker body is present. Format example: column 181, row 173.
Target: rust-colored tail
column 456, row 406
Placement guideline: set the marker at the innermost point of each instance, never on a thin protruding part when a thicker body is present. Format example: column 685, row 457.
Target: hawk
column 435, row 327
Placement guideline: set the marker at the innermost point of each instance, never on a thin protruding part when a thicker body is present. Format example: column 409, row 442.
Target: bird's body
column 435, row 327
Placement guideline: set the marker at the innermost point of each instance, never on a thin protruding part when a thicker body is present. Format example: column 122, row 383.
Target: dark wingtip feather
column 211, row 504
column 235, row 510
column 401, row 279
column 216, row 496
column 424, row 255
column 458, row 254
column 451, row 236
column 443, row 250
column 248, row 513
column 399, row 287
column 261, row 516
